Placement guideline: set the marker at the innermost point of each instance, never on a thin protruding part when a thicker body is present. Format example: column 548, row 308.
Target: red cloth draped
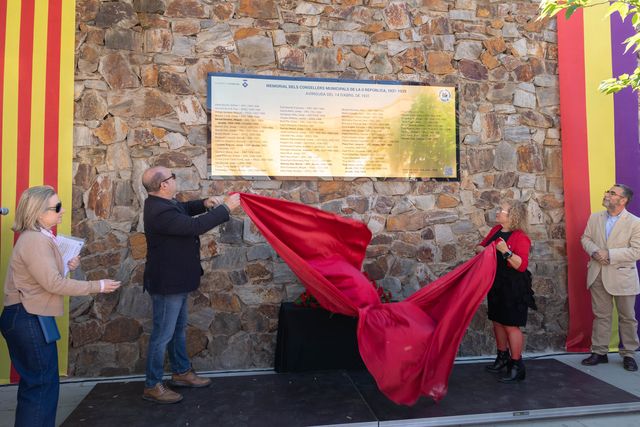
column 410, row 346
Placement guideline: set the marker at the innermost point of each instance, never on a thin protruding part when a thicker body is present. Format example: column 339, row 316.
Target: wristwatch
column 507, row 255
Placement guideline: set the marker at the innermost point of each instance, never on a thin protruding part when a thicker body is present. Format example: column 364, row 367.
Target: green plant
column 626, row 8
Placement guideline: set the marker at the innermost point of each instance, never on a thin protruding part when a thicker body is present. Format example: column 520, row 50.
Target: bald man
column 172, row 271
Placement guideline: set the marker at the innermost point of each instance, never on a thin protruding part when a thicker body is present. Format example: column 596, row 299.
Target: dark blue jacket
column 173, row 243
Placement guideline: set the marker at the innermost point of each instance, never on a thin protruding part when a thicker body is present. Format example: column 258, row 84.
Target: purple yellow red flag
column 600, row 142
column 37, row 43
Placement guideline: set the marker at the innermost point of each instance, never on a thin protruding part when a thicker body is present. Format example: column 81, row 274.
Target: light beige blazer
column 623, row 244
column 35, row 276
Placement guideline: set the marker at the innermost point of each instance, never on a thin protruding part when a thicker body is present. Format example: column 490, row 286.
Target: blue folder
column 49, row 328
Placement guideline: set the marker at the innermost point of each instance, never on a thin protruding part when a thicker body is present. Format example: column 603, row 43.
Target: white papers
column 69, row 247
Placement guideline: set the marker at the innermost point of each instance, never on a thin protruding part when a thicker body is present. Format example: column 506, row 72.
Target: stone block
column 377, row 61
column 358, row 14
column 141, row 103
column 283, row 274
column 122, row 329
column 216, row 40
column 225, row 302
column 256, row 51
column 397, row 15
column 548, row 96
column 190, row 112
column 251, row 234
column 443, row 233
column 462, row 15
column 85, row 333
column 215, row 281
column 186, row 9
column 231, row 258
column 442, row 217
column 290, row 59
column 480, row 159
column 116, row 15
column 469, row 50
column 99, row 199
column 517, row 134
column 524, row 99
column 252, row 295
column 439, row 63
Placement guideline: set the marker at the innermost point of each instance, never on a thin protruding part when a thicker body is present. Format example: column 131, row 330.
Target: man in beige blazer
column 612, row 239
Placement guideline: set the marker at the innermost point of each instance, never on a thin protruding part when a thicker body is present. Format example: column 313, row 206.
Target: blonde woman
column 511, row 295
column 33, row 295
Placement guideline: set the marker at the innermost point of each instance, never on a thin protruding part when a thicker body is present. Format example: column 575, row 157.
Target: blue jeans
column 169, row 322
column 37, row 364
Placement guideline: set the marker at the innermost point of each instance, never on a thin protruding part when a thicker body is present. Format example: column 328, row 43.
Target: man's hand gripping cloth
column 410, row 346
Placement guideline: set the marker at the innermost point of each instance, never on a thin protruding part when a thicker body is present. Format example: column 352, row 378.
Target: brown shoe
column 595, row 358
column 161, row 394
column 629, row 363
column 189, row 379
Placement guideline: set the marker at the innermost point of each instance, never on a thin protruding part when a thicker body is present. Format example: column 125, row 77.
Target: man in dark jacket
column 172, row 271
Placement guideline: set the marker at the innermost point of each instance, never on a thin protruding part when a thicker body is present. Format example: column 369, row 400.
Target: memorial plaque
column 265, row 127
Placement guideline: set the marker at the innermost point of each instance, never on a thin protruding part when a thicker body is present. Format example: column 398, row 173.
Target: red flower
column 314, row 305
column 303, row 297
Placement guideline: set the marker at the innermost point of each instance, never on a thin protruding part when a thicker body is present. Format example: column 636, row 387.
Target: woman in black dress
column 511, row 295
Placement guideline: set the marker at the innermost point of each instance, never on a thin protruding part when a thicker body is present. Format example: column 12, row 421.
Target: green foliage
column 625, row 8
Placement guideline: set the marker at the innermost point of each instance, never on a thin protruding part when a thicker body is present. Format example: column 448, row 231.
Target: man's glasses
column 173, row 176
column 56, row 208
column 612, row 193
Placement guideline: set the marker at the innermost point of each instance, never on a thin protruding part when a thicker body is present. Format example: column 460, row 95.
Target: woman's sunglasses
column 56, row 208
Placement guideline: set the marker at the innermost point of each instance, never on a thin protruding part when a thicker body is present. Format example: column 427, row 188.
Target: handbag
column 49, row 328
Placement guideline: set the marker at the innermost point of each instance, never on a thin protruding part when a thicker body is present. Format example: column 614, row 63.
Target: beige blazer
column 623, row 244
column 35, row 276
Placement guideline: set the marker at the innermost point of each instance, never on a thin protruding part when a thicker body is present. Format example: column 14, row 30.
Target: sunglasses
column 172, row 176
column 56, row 208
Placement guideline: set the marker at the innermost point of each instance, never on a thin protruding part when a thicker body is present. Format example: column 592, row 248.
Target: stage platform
column 351, row 398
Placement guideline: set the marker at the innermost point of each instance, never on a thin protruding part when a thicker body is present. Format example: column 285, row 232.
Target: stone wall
column 140, row 99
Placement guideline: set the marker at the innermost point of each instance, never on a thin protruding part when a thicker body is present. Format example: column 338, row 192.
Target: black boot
column 501, row 361
column 515, row 372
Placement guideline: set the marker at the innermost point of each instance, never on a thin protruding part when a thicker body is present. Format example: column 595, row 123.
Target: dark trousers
column 37, row 364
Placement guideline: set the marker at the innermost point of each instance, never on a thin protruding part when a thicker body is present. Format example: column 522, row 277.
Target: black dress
column 511, row 294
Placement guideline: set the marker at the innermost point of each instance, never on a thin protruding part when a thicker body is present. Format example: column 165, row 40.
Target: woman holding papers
column 33, row 294
column 511, row 295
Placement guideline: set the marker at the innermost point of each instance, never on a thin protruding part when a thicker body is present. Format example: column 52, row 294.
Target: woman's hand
column 74, row 263
column 502, row 246
column 479, row 249
column 110, row 286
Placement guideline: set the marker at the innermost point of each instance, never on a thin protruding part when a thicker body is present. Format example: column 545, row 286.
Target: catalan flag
column 600, row 142
column 37, row 42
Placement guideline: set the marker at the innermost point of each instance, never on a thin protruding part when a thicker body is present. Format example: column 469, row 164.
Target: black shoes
column 515, row 372
column 595, row 359
column 629, row 363
column 501, row 361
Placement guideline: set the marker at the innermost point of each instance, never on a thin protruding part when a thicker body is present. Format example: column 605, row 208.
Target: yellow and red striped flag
column 37, row 42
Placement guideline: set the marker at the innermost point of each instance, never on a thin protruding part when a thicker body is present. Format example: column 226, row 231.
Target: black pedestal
column 310, row 339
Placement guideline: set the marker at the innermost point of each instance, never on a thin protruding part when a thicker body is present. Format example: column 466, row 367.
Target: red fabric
column 518, row 242
column 410, row 346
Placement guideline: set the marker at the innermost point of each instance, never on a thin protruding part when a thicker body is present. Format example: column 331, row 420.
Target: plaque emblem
column 444, row 95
